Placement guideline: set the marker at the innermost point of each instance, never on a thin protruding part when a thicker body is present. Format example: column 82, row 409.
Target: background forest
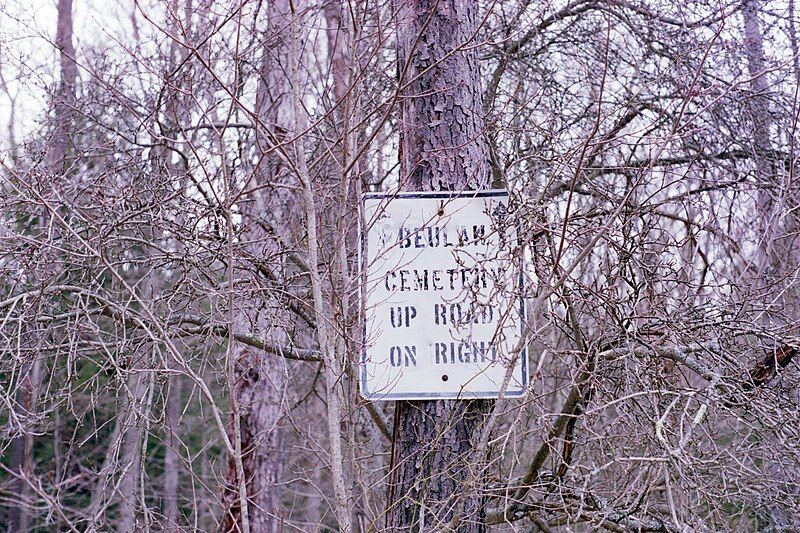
column 180, row 187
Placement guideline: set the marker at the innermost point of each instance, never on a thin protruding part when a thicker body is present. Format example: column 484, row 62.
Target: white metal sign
column 443, row 313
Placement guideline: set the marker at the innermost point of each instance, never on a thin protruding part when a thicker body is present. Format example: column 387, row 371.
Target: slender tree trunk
column 792, row 31
column 324, row 314
column 65, row 96
column 101, row 486
column 442, row 147
column 342, row 33
column 20, row 447
column 176, row 115
column 774, row 187
column 20, row 454
column 759, row 109
column 171, row 457
column 261, row 378
column 776, row 223
column 131, row 452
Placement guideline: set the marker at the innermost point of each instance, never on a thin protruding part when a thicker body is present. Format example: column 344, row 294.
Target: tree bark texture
column 442, row 147
column 431, row 446
column 442, row 144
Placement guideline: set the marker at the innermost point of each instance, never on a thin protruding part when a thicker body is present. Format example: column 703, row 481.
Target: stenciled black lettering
column 411, row 314
column 436, row 280
column 402, row 316
column 403, row 237
column 421, row 280
column 395, row 317
column 464, row 273
column 395, row 356
column 478, row 233
column 440, row 314
column 404, row 280
column 440, row 349
column 418, row 239
column 479, row 349
column 452, row 273
column 391, row 286
column 463, row 352
column 445, row 240
column 455, row 313
column 403, row 356
column 411, row 356
column 463, row 236
column 433, row 237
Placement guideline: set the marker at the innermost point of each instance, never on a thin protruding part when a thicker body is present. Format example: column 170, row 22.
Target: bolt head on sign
column 442, row 297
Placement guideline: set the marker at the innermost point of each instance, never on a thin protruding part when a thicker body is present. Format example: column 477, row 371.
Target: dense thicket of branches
column 179, row 325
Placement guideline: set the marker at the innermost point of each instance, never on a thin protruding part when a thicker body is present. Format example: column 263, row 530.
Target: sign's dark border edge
column 434, row 194
column 516, row 393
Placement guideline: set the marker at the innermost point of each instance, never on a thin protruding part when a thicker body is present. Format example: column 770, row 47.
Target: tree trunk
column 776, row 225
column 131, row 453
column 20, row 453
column 442, row 147
column 775, row 190
column 21, row 445
column 261, row 378
column 341, row 240
column 171, row 457
column 176, row 115
column 442, row 144
column 65, row 96
column 759, row 110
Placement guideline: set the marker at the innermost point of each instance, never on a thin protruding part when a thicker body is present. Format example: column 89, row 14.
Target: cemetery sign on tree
column 444, row 316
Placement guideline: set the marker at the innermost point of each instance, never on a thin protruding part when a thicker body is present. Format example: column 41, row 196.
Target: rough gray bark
column 442, row 134
column 432, row 442
column 258, row 391
column 442, row 148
